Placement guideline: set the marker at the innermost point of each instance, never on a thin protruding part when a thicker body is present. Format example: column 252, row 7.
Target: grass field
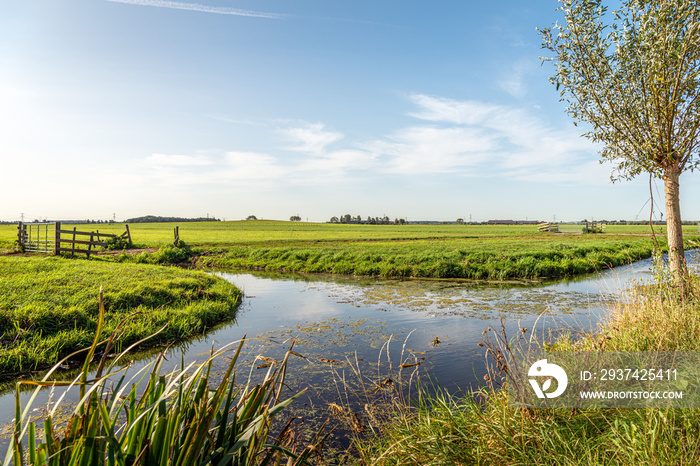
column 277, row 232
column 482, row 252
column 49, row 306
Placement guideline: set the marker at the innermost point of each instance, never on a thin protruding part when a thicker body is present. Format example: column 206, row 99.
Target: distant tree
column 251, row 217
column 634, row 77
column 347, row 218
column 295, row 218
column 460, row 221
column 334, row 220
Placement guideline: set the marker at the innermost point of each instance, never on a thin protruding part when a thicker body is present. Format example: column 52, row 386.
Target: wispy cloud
column 428, row 149
column 514, row 80
column 482, row 139
column 311, row 138
column 219, row 10
column 462, row 138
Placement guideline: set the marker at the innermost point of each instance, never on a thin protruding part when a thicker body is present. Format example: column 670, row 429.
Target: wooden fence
column 594, row 227
column 50, row 238
column 553, row 227
column 586, row 227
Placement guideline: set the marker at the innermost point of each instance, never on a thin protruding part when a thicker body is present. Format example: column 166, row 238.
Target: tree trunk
column 676, row 253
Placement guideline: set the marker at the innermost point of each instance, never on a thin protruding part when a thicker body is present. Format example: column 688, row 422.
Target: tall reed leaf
column 177, row 418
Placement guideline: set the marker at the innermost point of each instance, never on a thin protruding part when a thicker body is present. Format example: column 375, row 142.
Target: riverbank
column 49, row 306
column 447, row 429
column 501, row 260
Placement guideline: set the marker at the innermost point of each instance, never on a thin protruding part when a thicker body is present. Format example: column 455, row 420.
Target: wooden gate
column 50, row 238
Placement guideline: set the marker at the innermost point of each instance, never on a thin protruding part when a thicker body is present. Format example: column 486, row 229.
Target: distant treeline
column 347, row 218
column 156, row 219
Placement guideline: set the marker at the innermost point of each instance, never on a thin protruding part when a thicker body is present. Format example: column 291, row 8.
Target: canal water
column 342, row 324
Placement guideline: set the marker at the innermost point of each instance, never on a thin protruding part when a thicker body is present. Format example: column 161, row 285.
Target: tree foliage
column 633, row 75
column 636, row 80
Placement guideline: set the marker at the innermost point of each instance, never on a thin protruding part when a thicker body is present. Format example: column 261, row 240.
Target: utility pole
column 22, row 215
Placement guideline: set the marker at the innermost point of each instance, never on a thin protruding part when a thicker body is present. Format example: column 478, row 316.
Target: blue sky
column 423, row 110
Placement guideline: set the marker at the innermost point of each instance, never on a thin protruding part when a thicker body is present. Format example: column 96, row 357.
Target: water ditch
column 338, row 322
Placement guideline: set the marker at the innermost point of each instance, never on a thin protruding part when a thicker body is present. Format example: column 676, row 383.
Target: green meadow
column 273, row 232
column 49, row 306
column 480, row 252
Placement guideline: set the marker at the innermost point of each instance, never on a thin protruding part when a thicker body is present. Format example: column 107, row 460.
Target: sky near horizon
column 413, row 109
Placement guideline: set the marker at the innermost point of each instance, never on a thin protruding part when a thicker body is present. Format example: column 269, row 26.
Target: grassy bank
column 49, row 306
column 445, row 429
column 495, row 259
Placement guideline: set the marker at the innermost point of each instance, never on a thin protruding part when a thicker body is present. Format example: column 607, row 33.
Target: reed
column 155, row 418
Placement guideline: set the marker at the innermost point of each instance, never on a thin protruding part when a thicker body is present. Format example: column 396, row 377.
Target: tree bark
column 674, row 232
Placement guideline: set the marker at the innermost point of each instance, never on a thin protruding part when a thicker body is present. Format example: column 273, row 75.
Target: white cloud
column 336, row 164
column 514, row 82
column 514, row 86
column 465, row 138
column 311, row 138
column 428, row 149
column 472, row 138
column 452, row 111
column 227, row 168
column 200, row 8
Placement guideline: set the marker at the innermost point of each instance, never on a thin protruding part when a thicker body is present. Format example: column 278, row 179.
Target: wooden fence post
column 89, row 246
column 57, row 243
column 177, row 235
column 128, row 235
column 73, row 245
column 20, row 236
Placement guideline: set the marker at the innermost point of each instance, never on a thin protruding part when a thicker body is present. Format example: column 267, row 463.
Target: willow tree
column 633, row 75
